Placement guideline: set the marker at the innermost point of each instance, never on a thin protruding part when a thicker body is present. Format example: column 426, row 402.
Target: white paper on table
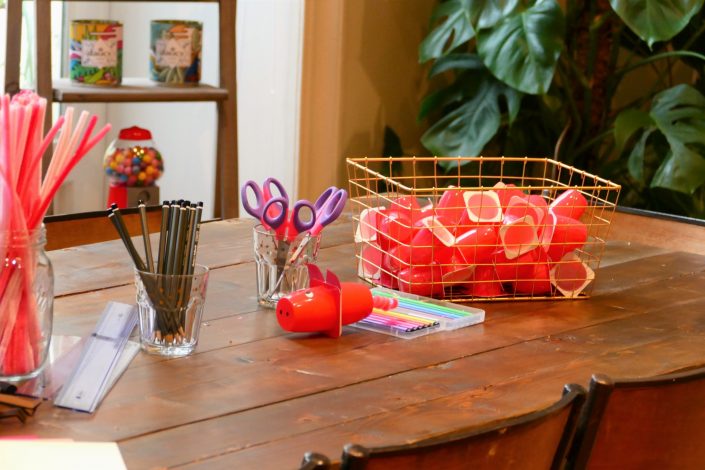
column 32, row 454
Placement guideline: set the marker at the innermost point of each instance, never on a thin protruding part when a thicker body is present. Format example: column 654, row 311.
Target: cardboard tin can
column 95, row 52
column 175, row 57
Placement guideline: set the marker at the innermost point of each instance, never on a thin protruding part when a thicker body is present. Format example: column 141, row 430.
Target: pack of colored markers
column 410, row 316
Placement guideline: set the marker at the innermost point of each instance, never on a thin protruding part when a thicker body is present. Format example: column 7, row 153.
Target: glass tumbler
column 26, row 303
column 281, row 264
column 170, row 310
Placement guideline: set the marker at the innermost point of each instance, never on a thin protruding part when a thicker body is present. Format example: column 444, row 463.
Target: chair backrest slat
column 538, row 440
column 652, row 423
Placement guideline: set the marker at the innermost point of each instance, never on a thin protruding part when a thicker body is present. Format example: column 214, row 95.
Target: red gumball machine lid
column 134, row 133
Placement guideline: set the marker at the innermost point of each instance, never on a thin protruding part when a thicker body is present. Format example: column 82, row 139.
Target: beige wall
column 360, row 73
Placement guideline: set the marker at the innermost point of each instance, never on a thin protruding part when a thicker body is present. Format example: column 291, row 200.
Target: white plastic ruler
column 101, row 354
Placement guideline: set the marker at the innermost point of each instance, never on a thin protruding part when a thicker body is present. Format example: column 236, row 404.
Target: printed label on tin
column 174, row 52
column 99, row 53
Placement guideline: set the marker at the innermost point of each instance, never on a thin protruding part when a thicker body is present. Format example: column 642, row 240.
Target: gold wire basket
column 494, row 228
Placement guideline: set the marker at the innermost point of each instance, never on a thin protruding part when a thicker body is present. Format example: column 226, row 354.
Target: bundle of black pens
column 170, row 289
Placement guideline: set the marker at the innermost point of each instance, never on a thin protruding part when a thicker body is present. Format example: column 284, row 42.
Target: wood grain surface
column 254, row 396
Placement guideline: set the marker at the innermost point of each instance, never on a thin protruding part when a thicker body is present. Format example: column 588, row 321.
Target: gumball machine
column 133, row 165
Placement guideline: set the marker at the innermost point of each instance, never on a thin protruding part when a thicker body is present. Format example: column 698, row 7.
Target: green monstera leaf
column 453, row 31
column 467, row 129
column 656, row 20
column 679, row 114
column 523, row 48
column 487, row 13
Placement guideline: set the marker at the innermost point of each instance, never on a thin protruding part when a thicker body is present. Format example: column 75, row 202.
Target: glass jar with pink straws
column 26, row 303
column 26, row 277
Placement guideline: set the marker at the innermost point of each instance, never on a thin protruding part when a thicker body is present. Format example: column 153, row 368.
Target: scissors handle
column 274, row 217
column 256, row 211
column 267, row 189
column 302, row 225
column 330, row 211
column 323, row 198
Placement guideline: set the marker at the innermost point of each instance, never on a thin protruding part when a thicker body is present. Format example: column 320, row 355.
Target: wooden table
column 256, row 397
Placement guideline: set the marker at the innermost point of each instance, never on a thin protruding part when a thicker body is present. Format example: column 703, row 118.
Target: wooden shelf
column 134, row 90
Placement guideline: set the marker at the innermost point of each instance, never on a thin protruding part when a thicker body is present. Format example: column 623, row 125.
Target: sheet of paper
column 31, row 454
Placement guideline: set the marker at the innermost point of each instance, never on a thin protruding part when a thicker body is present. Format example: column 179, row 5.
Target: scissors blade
column 300, row 248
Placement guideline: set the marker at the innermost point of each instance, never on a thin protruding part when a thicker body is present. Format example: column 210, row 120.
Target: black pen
column 161, row 265
column 116, row 218
column 145, row 236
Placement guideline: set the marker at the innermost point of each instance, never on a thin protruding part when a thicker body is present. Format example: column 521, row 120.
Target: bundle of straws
column 168, row 280
column 24, row 199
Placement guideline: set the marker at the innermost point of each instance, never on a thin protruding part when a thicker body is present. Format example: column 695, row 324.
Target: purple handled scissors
column 273, row 211
column 328, row 207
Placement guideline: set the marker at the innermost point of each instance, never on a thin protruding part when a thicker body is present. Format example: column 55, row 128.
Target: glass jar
column 26, row 304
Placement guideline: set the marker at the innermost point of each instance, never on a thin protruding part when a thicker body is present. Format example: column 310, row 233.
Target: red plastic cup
column 451, row 206
column 568, row 235
column 393, row 228
column 483, row 207
column 520, row 207
column 521, row 267
column 533, row 274
column 505, row 192
column 571, row 275
column 422, row 280
column 388, row 280
column 367, row 227
column 518, row 236
column 571, row 203
column 370, row 264
column 477, row 245
column 425, row 247
column 484, row 283
column 408, row 206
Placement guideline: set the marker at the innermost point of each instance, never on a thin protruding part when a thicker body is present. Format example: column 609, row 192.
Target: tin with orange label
column 95, row 52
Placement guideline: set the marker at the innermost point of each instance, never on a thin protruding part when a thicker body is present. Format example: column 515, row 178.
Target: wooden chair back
column 636, row 424
column 538, row 440
column 315, row 461
column 64, row 231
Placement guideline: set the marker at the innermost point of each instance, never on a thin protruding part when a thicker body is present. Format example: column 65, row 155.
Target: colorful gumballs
column 132, row 160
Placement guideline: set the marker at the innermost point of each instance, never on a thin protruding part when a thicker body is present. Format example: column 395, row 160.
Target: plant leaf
column 487, row 13
column 683, row 170
column 635, row 164
column 679, row 112
column 467, row 129
column 457, row 61
column 656, row 20
column 439, row 98
column 452, row 32
column 627, row 123
column 523, row 48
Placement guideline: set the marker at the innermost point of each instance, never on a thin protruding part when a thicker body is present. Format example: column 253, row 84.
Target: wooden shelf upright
column 134, row 90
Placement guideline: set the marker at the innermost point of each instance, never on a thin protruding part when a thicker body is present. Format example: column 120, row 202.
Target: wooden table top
column 254, row 396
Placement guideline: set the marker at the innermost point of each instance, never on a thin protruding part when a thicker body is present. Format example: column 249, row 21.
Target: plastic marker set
column 409, row 316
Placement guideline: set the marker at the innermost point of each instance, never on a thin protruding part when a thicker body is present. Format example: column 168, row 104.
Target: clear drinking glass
column 26, row 304
column 170, row 310
column 281, row 265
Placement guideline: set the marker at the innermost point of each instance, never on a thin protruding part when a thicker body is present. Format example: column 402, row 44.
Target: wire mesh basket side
column 514, row 228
